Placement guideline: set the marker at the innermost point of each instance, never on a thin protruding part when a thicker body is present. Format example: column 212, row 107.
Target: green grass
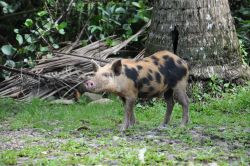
column 84, row 134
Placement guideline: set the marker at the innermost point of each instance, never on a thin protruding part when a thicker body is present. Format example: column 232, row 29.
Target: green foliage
column 42, row 31
column 8, row 157
column 242, row 19
column 8, row 50
column 9, row 8
column 39, row 36
column 244, row 53
column 117, row 18
column 215, row 87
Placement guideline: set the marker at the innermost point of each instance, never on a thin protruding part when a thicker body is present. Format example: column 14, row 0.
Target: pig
column 161, row 74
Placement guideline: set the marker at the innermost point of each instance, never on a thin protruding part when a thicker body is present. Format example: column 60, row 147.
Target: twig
column 72, row 88
column 65, row 12
column 141, row 54
column 47, row 8
column 80, row 56
column 38, row 76
column 72, row 46
column 124, row 43
column 23, row 72
column 19, row 13
column 80, row 34
column 41, row 35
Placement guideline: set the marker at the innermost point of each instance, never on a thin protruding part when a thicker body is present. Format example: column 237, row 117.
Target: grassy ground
column 52, row 134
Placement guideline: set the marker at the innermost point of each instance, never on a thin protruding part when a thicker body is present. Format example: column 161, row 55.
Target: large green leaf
column 62, row 25
column 28, row 22
column 30, row 47
column 42, row 13
column 10, row 63
column 56, row 46
column 28, row 38
column 44, row 49
column 3, row 4
column 8, row 50
column 61, row 31
column 16, row 30
column 120, row 10
column 136, row 4
column 19, row 38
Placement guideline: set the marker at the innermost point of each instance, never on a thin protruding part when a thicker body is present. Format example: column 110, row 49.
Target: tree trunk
column 201, row 32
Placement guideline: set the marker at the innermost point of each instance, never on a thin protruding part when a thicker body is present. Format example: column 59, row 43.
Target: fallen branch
column 19, row 13
column 64, row 73
column 80, row 56
column 23, row 72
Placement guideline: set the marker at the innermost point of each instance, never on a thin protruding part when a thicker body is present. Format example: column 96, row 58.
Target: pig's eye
column 90, row 74
column 107, row 74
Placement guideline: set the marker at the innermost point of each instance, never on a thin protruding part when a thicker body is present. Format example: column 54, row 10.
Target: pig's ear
column 95, row 65
column 117, row 67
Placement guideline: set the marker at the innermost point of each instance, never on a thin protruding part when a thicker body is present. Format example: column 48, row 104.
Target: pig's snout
column 90, row 84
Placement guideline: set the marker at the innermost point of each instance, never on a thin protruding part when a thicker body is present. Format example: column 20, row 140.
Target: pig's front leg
column 129, row 117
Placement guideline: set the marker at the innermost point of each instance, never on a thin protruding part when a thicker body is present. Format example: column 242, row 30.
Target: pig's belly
column 151, row 92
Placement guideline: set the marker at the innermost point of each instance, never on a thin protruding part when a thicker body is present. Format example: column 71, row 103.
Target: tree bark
column 201, row 32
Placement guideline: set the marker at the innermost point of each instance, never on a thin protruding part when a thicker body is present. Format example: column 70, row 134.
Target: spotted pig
column 161, row 74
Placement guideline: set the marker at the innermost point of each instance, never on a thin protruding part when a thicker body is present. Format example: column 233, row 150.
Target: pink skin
column 90, row 84
column 109, row 78
column 101, row 83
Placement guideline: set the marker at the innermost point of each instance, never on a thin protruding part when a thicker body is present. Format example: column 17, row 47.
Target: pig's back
column 153, row 75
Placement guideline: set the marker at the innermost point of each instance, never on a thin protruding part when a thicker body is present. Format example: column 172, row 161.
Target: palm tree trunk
column 200, row 31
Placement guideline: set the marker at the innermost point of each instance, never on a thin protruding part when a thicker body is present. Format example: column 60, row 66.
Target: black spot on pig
column 139, row 85
column 139, row 67
column 143, row 94
column 151, row 89
column 144, row 81
column 154, row 58
column 171, row 72
column 156, row 63
column 165, row 57
column 158, row 77
column 149, row 94
column 131, row 73
column 150, row 77
column 168, row 94
column 150, row 71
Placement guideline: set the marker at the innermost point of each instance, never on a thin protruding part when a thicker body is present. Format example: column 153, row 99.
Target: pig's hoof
column 123, row 128
column 162, row 127
column 183, row 125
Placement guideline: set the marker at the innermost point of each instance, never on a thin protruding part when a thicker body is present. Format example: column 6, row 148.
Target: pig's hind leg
column 182, row 98
column 169, row 98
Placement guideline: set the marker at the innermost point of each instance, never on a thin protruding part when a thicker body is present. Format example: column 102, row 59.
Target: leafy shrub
column 42, row 31
column 241, row 12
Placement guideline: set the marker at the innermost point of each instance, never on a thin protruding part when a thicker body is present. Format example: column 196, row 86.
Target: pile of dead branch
column 63, row 74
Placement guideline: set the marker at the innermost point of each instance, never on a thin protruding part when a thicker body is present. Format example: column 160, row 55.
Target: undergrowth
column 89, row 134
